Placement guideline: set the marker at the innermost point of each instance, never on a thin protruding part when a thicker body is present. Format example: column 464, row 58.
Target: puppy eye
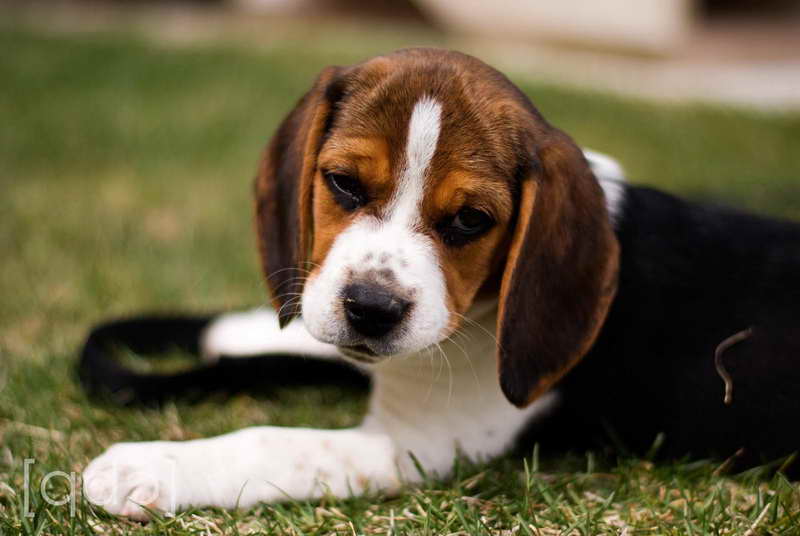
column 346, row 190
column 466, row 225
column 470, row 220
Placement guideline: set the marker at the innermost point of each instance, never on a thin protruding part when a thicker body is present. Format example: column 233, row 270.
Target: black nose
column 372, row 310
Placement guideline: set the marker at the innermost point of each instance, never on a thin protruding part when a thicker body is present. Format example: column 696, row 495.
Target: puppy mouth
column 361, row 353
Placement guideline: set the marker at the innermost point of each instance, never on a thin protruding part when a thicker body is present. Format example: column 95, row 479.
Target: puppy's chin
column 361, row 353
column 370, row 353
column 373, row 353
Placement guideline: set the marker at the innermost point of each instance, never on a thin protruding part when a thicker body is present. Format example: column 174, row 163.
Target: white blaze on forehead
column 423, row 135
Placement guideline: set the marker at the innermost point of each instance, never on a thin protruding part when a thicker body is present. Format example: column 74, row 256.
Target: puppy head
column 400, row 188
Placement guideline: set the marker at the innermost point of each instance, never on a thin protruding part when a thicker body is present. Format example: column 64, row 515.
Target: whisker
column 276, row 272
column 312, row 264
column 289, row 294
column 291, row 303
column 450, row 375
column 467, row 338
column 472, row 322
column 469, row 362
column 292, row 281
column 441, row 364
column 429, row 349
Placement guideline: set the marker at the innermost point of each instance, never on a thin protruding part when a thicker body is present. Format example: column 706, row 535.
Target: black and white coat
column 708, row 300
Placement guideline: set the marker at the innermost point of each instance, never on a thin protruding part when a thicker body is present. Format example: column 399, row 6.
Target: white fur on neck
column 435, row 404
column 611, row 176
column 446, row 401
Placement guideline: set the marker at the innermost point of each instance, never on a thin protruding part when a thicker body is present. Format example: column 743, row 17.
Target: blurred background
column 130, row 130
column 740, row 51
column 130, row 133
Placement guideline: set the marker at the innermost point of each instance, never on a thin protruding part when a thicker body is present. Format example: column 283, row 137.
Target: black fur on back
column 693, row 275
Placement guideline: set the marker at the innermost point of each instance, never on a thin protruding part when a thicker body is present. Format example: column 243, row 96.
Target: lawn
column 125, row 170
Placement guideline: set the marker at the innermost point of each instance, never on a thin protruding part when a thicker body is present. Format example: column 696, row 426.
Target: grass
column 125, row 168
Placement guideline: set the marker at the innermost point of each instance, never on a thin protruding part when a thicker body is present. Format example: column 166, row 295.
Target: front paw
column 129, row 479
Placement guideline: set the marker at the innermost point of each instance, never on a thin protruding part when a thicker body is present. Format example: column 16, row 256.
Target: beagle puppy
column 419, row 218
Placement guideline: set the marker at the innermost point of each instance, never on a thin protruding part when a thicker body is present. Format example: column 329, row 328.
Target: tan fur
column 467, row 267
column 364, row 157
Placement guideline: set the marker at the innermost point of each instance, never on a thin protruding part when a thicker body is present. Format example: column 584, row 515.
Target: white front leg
column 432, row 406
column 240, row 469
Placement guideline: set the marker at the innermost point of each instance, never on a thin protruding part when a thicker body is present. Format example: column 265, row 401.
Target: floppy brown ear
column 283, row 194
column 560, row 276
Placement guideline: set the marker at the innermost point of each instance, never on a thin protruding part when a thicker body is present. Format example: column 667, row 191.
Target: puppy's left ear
column 283, row 191
column 561, row 273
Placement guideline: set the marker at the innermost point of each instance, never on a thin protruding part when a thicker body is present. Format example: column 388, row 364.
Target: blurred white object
column 650, row 25
column 271, row 6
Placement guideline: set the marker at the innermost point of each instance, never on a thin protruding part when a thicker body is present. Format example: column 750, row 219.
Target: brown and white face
column 401, row 188
column 410, row 206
